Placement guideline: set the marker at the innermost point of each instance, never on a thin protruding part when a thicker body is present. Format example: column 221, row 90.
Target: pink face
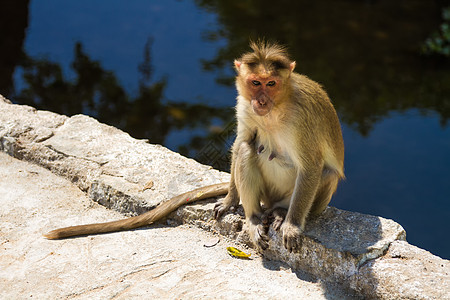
column 263, row 91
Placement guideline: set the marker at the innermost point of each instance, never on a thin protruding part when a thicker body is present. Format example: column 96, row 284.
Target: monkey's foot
column 278, row 215
column 258, row 233
column 275, row 217
column 292, row 236
column 223, row 206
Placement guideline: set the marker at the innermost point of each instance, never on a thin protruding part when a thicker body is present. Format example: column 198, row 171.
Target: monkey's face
column 263, row 91
column 262, row 84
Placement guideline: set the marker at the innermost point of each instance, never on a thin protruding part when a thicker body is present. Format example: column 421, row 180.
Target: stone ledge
column 366, row 253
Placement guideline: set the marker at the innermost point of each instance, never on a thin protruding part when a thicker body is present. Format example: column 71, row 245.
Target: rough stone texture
column 161, row 262
column 102, row 160
column 405, row 272
column 365, row 253
column 335, row 245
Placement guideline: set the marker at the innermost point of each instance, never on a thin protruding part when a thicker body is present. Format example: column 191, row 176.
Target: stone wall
column 366, row 253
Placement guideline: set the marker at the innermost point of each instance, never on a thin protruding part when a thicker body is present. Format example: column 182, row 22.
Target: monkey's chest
column 276, row 165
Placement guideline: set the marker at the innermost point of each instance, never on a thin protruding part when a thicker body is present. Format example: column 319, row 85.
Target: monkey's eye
column 256, row 82
column 271, row 83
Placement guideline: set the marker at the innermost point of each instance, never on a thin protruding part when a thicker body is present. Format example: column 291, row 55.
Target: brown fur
column 147, row 218
column 289, row 150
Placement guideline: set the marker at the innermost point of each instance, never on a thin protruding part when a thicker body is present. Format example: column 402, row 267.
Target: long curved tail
column 147, row 218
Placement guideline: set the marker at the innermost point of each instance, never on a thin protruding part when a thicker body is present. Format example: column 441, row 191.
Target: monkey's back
column 321, row 116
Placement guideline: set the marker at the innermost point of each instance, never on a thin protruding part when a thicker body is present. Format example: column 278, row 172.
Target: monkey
column 288, row 154
column 289, row 151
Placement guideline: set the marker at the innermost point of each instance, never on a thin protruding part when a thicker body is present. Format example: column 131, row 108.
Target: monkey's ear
column 292, row 66
column 237, row 64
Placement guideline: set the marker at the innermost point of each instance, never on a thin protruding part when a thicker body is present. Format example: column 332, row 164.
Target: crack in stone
column 51, row 147
column 400, row 237
column 44, row 138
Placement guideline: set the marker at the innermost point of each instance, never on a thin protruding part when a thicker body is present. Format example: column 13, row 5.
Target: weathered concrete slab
column 405, row 272
column 335, row 245
column 133, row 176
column 161, row 262
column 100, row 158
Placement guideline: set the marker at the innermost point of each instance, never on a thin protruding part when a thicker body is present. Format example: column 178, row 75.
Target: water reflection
column 13, row 23
column 365, row 53
column 97, row 92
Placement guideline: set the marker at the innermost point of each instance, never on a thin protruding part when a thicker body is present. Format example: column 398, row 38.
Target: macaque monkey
column 288, row 153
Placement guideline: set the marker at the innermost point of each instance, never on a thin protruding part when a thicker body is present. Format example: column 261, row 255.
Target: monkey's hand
column 228, row 203
column 292, row 236
column 258, row 233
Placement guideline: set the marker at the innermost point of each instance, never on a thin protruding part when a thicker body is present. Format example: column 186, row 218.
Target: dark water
column 162, row 70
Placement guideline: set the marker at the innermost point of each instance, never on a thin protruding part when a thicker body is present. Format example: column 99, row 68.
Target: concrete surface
column 157, row 262
column 368, row 254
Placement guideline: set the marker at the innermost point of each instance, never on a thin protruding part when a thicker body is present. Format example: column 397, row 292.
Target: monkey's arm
column 232, row 198
column 247, row 137
column 147, row 218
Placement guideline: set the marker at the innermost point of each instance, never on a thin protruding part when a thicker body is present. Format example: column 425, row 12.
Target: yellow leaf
column 237, row 253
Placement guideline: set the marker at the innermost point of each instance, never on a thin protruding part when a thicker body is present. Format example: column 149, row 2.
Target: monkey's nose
column 261, row 102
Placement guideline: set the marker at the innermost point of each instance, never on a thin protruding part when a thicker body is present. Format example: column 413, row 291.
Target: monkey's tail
column 159, row 212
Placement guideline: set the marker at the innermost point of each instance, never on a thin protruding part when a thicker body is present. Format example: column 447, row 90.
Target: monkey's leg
column 230, row 202
column 326, row 190
column 250, row 185
column 306, row 186
column 232, row 199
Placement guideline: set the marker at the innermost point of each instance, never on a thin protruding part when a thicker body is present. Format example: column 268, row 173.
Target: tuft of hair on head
column 270, row 54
